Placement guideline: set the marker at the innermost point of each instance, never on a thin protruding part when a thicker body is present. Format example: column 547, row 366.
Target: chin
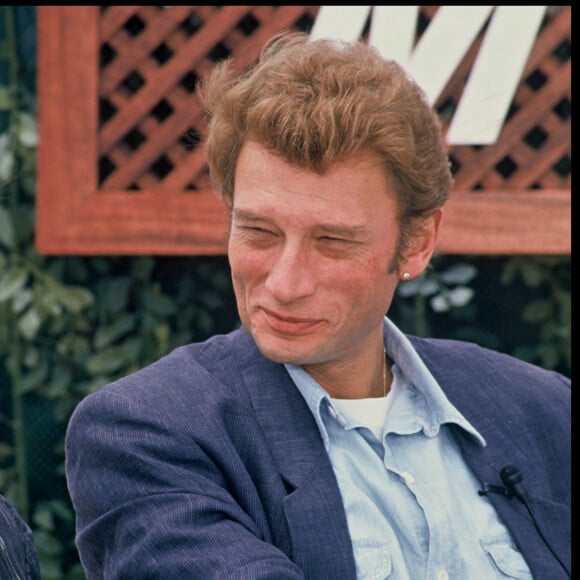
column 283, row 352
column 278, row 355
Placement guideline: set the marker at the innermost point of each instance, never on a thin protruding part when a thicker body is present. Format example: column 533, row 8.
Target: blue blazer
column 209, row 464
column 18, row 553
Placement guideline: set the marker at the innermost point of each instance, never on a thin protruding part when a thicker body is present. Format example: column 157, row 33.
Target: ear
column 421, row 247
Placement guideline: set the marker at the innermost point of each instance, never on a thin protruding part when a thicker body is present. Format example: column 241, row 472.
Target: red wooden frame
column 74, row 217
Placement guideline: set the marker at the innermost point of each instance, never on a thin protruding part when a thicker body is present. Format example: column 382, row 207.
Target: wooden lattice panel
column 122, row 169
column 533, row 151
column 151, row 60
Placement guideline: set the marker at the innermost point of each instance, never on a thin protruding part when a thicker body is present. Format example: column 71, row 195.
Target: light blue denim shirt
column 411, row 503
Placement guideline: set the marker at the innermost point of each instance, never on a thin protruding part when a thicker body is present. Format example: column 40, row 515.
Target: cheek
column 247, row 271
column 369, row 284
column 241, row 295
column 245, row 266
column 368, row 275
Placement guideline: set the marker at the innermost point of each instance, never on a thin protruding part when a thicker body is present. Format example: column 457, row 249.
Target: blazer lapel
column 478, row 395
column 314, row 510
column 475, row 394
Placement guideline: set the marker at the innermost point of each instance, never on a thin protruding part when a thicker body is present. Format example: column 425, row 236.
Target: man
column 318, row 441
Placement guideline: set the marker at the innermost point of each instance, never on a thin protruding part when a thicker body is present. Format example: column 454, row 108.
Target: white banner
column 496, row 72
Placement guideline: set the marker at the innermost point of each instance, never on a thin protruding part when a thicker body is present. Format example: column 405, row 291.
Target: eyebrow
column 334, row 229
column 248, row 215
column 343, row 230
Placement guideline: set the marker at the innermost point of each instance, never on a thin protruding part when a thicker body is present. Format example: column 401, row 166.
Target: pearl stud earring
column 406, row 275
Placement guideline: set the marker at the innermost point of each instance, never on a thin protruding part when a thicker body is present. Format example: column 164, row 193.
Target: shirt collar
column 439, row 409
column 315, row 396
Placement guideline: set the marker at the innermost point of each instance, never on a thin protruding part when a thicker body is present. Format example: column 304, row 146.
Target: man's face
column 310, row 256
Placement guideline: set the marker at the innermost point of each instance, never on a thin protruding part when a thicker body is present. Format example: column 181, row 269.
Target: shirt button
column 442, row 575
column 430, row 431
column 408, row 478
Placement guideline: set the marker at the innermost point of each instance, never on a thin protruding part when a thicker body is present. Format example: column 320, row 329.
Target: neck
column 369, row 376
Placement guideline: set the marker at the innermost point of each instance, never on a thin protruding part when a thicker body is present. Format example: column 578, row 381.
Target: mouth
column 289, row 325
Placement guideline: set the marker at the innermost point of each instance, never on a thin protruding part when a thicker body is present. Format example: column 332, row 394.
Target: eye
column 257, row 236
column 258, row 230
column 252, row 228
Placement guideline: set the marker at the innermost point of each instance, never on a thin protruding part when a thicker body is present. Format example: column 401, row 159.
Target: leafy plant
column 68, row 325
column 520, row 305
column 445, row 289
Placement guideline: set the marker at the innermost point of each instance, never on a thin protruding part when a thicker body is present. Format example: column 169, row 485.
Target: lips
column 291, row 325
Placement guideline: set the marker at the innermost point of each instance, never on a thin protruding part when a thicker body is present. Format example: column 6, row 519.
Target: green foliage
column 548, row 309
column 520, row 305
column 68, row 325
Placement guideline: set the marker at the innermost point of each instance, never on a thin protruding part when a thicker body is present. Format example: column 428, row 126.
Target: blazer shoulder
column 204, row 372
column 464, row 367
column 447, row 354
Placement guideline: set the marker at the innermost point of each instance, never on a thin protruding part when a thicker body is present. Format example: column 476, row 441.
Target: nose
column 291, row 275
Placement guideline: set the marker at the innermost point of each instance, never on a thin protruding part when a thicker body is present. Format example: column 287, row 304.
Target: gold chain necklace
column 384, row 372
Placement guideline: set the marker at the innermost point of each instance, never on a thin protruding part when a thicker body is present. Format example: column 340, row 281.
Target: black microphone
column 512, row 479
